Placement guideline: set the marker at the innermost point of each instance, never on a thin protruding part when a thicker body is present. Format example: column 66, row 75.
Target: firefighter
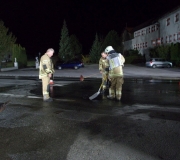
column 103, row 64
column 116, row 63
column 46, row 69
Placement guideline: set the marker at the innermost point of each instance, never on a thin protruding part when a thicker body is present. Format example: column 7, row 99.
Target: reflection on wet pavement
column 144, row 125
column 134, row 91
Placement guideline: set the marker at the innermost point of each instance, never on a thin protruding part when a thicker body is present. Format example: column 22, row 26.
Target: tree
column 7, row 39
column 76, row 46
column 95, row 52
column 113, row 39
column 163, row 51
column 175, row 53
column 19, row 53
column 65, row 48
column 153, row 52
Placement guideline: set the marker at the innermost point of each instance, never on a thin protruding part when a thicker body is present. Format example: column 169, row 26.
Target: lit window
column 158, row 41
column 153, row 42
column 167, row 21
column 176, row 17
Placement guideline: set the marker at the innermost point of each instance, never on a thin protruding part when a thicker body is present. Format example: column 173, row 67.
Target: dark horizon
column 37, row 26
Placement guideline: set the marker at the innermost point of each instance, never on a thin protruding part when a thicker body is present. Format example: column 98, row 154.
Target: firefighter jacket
column 46, row 66
column 116, row 63
column 103, row 64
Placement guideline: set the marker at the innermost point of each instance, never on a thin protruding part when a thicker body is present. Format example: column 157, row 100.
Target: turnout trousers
column 104, row 80
column 115, row 90
column 45, row 87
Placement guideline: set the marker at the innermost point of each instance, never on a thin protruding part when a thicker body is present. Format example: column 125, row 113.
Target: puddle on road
column 76, row 90
column 134, row 91
column 77, row 96
column 142, row 91
column 166, row 115
column 146, row 114
column 7, row 88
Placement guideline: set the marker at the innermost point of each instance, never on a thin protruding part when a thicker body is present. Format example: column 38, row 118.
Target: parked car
column 76, row 64
column 158, row 62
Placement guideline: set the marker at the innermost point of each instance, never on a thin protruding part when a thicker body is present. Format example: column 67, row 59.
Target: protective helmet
column 108, row 49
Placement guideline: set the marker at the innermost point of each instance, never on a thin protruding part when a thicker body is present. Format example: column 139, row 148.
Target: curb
column 9, row 69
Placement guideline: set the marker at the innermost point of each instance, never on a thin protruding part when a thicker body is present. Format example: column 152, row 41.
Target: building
column 163, row 30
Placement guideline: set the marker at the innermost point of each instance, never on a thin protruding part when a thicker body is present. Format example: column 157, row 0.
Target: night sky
column 37, row 24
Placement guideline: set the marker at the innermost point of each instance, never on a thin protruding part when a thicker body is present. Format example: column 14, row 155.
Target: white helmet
column 108, row 49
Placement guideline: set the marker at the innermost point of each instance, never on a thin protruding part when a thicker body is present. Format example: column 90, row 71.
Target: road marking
column 35, row 97
column 11, row 95
column 60, row 85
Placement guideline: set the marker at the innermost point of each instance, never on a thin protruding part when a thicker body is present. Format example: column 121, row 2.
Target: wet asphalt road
column 143, row 126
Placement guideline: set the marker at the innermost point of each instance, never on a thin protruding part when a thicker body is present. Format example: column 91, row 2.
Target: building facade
column 164, row 30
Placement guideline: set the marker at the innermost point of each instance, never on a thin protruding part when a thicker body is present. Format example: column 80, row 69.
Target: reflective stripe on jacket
column 117, row 71
column 46, row 66
column 103, row 63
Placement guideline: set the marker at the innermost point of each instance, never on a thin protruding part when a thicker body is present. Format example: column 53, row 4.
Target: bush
column 19, row 53
column 31, row 63
column 160, row 52
column 175, row 53
column 168, row 52
column 133, row 57
column 153, row 52
column 85, row 59
column 133, row 52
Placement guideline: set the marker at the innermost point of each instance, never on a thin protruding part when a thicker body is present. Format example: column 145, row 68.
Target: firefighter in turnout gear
column 46, row 69
column 116, row 63
column 103, row 64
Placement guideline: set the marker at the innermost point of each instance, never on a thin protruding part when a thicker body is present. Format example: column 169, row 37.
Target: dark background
column 37, row 24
